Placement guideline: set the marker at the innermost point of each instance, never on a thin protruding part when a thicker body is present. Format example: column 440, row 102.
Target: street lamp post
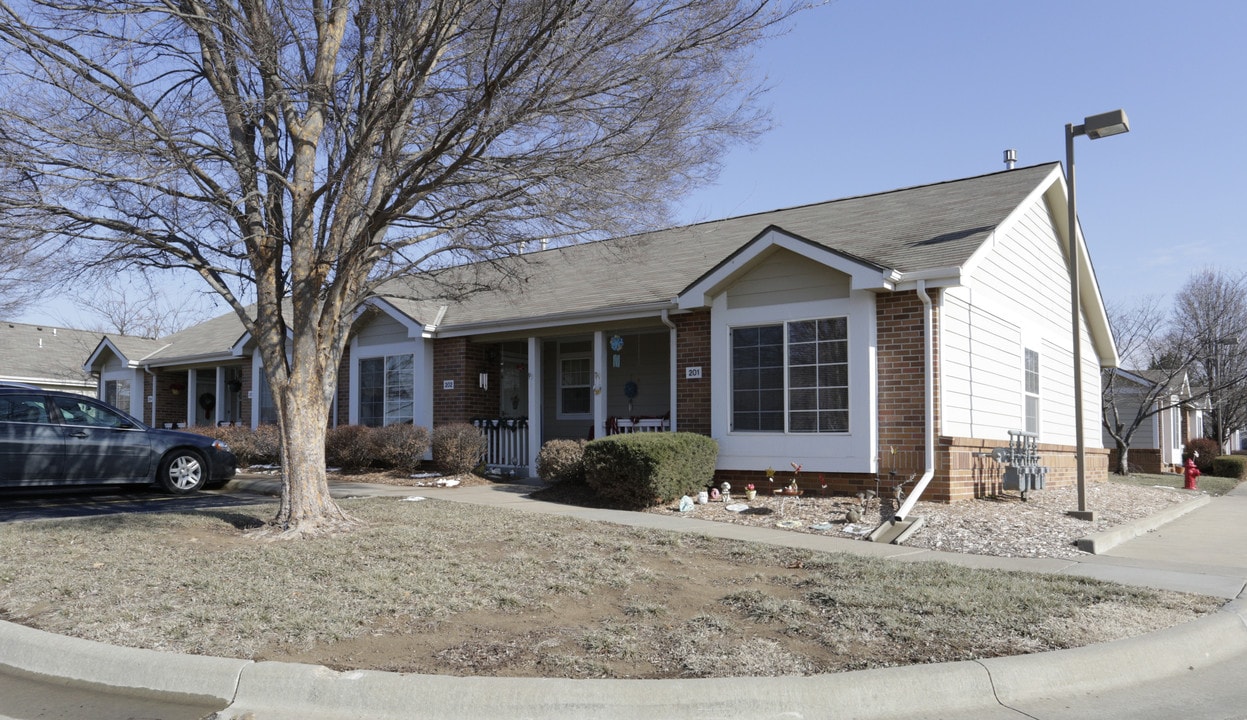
column 1094, row 127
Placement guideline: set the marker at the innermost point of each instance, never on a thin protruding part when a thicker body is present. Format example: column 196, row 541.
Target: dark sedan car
column 59, row 438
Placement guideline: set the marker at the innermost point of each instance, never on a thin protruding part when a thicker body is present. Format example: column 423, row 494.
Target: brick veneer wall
column 693, row 350
column 462, row 361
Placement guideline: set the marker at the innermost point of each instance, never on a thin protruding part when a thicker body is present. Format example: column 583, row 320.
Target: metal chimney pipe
column 1011, row 157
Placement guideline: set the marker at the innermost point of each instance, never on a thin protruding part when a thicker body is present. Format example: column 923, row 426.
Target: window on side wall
column 386, row 390
column 1031, row 381
column 791, row 377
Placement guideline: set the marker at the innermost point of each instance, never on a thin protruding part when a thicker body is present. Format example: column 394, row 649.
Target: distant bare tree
column 1154, row 368
column 138, row 311
column 302, row 152
column 1210, row 317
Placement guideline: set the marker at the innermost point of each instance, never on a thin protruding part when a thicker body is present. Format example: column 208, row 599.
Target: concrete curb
column 281, row 691
column 1102, row 542
column 124, row 671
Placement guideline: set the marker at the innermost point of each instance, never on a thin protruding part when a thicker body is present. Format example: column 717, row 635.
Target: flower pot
column 751, row 494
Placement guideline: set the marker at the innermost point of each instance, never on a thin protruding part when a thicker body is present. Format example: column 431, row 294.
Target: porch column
column 192, row 392
column 534, row 403
column 599, row 381
column 219, row 393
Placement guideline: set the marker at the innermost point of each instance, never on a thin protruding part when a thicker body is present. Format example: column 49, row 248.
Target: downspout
column 928, row 328
column 148, row 369
column 673, row 395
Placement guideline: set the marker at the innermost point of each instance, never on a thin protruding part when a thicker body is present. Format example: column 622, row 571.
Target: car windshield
column 84, row 412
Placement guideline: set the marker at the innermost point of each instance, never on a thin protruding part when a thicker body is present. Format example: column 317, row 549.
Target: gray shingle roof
column 912, row 229
column 908, row 230
column 40, row 353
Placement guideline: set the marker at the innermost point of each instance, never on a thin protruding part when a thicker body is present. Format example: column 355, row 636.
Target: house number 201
column 692, row 373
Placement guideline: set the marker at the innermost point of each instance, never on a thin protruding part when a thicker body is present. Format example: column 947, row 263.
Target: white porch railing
column 506, row 442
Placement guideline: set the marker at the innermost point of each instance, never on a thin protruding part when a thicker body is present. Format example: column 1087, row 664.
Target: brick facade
column 461, row 361
column 693, row 350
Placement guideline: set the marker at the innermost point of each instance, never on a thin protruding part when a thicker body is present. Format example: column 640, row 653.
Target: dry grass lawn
column 448, row 588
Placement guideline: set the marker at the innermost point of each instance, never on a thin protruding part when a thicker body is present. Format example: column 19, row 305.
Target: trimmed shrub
column 400, row 446
column 261, row 446
column 639, row 470
column 1230, row 466
column 1208, row 451
column 349, row 447
column 562, row 461
column 458, row 448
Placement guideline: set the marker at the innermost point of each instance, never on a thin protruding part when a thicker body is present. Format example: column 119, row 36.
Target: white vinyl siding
column 1015, row 295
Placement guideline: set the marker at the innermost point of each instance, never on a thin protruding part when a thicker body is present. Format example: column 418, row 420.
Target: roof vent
column 1011, row 158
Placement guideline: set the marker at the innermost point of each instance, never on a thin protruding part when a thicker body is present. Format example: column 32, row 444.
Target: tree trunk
column 1123, row 458
column 307, row 509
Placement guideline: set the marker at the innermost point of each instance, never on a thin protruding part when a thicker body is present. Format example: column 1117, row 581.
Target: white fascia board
column 933, row 277
column 862, row 276
column 104, row 344
column 632, row 312
column 185, row 360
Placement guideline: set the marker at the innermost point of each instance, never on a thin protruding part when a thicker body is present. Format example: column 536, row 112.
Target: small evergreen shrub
column 639, row 470
column 1208, row 450
column 1230, row 466
column 349, row 447
column 458, row 448
column 561, row 461
column 400, row 446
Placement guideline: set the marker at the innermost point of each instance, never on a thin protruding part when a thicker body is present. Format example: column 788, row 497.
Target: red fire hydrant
column 1191, row 474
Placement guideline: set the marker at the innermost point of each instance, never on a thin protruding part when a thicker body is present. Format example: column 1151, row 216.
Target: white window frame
column 1029, row 395
column 586, row 355
column 786, row 389
column 385, row 386
column 855, row 451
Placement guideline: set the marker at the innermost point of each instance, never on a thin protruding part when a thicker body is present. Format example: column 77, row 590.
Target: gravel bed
column 1002, row 525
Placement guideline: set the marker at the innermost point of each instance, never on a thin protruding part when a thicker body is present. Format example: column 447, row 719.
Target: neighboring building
column 1176, row 416
column 50, row 357
column 793, row 336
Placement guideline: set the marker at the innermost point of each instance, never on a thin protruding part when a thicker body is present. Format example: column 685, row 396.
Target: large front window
column 386, row 390
column 791, row 377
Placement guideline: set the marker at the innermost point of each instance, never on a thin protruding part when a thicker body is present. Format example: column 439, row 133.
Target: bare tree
column 22, row 281
column 1210, row 316
column 142, row 311
column 302, row 152
column 1158, row 368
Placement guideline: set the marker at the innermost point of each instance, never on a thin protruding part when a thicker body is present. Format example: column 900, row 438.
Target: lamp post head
column 1110, row 123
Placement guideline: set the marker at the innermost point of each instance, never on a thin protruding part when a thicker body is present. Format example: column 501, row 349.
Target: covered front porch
column 571, row 384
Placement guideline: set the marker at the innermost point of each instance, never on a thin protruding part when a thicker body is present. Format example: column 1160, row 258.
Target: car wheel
column 182, row 471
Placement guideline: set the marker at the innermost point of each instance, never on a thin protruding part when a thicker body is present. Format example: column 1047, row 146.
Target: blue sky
column 872, row 95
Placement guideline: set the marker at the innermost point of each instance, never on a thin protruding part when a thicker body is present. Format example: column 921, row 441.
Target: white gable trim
column 863, row 275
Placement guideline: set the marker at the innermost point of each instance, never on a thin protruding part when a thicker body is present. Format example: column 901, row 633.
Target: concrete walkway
column 1192, row 671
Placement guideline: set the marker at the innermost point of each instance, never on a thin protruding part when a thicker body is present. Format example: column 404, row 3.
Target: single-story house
column 47, row 357
column 1177, row 416
column 804, row 335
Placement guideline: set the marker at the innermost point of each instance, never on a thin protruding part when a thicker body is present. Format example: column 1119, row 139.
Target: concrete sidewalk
column 1191, row 671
